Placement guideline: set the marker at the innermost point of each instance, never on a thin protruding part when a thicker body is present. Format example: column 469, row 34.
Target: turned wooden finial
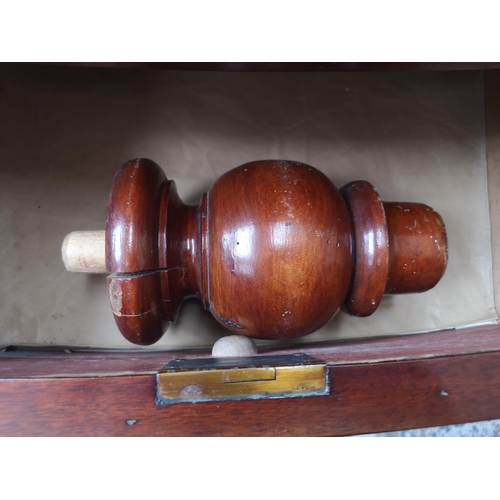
column 273, row 250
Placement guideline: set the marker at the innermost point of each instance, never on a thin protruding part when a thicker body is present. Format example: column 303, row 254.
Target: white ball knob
column 234, row 346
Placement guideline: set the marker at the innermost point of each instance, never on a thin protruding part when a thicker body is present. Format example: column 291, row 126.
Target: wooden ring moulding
column 273, row 250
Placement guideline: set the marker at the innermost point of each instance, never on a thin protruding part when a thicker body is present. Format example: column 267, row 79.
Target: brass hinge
column 258, row 377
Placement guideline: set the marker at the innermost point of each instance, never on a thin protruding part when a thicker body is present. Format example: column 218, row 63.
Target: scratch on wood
column 115, row 296
column 225, row 321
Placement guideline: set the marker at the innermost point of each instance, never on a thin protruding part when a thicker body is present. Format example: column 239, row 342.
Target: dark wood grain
column 364, row 398
column 418, row 247
column 279, row 249
column 132, row 223
column 154, row 250
column 370, row 248
column 36, row 363
column 272, row 249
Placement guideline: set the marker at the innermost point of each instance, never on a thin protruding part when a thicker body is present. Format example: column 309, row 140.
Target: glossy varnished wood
column 273, row 249
column 132, row 236
column 153, row 250
column 30, row 363
column 370, row 248
column 364, row 398
column 132, row 224
column 418, row 247
column 279, row 249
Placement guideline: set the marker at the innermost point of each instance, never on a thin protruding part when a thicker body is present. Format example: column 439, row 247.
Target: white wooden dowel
column 84, row 252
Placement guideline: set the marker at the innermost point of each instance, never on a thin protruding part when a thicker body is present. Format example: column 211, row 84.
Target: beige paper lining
column 65, row 131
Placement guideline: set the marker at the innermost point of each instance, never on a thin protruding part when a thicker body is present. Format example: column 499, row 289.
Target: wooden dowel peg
column 84, row 252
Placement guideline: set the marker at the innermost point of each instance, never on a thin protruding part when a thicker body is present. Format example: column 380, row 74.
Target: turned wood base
column 273, row 250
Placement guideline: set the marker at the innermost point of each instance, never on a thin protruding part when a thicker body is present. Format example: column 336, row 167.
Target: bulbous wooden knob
column 273, row 249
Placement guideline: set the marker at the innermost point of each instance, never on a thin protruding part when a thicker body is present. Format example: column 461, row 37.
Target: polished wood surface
column 273, row 249
column 279, row 249
column 132, row 225
column 364, row 398
column 370, row 248
column 41, row 363
column 132, row 236
column 418, row 247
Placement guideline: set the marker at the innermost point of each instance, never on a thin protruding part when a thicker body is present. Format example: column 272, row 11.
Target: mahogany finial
column 273, row 249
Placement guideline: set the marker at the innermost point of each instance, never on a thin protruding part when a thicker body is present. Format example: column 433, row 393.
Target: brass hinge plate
column 258, row 377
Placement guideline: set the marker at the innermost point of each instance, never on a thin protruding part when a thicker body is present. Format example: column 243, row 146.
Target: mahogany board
column 364, row 398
